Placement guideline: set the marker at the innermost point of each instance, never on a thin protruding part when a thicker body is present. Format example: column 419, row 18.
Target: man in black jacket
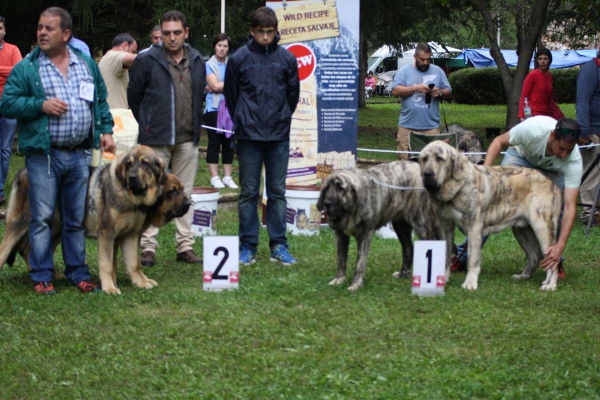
column 261, row 90
column 165, row 93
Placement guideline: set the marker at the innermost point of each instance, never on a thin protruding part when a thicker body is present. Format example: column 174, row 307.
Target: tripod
column 596, row 194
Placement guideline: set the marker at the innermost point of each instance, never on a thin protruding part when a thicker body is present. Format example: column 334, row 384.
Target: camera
column 428, row 95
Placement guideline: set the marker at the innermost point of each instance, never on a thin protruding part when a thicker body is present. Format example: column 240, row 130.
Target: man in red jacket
column 9, row 56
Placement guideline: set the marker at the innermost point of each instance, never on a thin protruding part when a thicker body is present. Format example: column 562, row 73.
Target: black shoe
column 148, row 259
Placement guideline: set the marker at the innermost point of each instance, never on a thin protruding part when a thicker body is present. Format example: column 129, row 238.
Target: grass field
column 286, row 334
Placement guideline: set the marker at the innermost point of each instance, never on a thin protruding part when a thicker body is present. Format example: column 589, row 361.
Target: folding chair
column 416, row 141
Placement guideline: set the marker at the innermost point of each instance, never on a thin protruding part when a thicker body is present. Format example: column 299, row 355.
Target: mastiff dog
column 123, row 199
column 486, row 200
column 358, row 202
column 467, row 142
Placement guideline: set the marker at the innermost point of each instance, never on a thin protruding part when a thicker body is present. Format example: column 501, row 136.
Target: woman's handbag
column 224, row 119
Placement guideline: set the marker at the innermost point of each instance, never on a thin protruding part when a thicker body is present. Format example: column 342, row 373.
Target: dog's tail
column 18, row 215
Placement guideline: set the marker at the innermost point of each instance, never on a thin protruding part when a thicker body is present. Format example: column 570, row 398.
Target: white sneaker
column 215, row 181
column 227, row 181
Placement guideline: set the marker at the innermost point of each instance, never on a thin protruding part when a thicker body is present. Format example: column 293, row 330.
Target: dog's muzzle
column 429, row 181
column 136, row 185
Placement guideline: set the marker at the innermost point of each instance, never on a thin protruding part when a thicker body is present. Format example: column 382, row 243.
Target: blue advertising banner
column 323, row 36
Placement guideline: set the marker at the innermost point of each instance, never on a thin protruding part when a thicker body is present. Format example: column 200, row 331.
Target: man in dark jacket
column 261, row 90
column 587, row 106
column 58, row 97
column 165, row 92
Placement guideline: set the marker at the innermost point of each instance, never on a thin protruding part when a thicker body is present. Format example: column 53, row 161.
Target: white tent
column 407, row 56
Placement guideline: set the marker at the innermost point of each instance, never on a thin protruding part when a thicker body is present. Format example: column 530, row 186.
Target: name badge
column 86, row 91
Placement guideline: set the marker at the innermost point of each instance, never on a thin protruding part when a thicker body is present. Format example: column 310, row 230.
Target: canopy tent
column 481, row 58
column 385, row 52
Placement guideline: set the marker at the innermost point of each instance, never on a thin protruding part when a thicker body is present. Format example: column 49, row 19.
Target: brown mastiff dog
column 124, row 198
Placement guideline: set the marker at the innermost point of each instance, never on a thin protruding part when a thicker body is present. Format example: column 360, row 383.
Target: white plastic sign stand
column 429, row 268
column 221, row 262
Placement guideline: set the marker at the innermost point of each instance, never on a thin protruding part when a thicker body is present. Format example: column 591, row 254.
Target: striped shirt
column 72, row 128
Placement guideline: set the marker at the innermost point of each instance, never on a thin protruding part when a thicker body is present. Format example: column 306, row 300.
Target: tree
column 530, row 20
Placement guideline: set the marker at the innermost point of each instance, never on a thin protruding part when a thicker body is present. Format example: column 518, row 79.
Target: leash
column 395, row 187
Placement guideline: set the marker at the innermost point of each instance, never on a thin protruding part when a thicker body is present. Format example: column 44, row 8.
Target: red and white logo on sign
column 234, row 276
column 208, row 277
column 306, row 60
column 416, row 281
column 440, row 281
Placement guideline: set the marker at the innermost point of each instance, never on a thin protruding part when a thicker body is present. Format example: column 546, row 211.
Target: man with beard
column 422, row 86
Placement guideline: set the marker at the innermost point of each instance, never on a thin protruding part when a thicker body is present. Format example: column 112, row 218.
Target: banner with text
column 323, row 36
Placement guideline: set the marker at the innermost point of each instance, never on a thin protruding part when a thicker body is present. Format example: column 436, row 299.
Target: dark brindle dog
column 358, row 202
column 124, row 198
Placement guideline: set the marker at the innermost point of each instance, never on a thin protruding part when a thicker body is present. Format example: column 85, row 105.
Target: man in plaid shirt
column 59, row 99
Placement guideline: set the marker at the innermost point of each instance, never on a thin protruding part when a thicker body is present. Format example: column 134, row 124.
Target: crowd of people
column 61, row 100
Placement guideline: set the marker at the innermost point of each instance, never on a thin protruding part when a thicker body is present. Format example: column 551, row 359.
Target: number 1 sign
column 221, row 262
column 429, row 268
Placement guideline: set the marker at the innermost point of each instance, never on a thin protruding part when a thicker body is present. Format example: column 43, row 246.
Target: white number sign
column 429, row 268
column 221, row 262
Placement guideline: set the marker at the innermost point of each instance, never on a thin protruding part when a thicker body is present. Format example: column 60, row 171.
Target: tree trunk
column 529, row 27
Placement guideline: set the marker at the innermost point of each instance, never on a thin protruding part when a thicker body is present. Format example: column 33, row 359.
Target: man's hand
column 553, row 256
column 208, row 89
column 107, row 143
column 422, row 88
column 55, row 107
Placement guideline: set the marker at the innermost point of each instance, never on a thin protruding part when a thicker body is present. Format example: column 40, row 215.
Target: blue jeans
column 514, row 159
column 7, row 134
column 251, row 156
column 60, row 178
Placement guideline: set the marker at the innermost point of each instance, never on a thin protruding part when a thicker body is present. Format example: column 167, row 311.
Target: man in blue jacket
column 588, row 116
column 58, row 97
column 262, row 90
column 165, row 93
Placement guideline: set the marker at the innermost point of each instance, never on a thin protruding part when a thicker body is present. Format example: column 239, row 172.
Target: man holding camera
column 422, row 86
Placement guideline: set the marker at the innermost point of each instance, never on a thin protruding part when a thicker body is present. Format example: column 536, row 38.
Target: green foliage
column 484, row 85
column 477, row 86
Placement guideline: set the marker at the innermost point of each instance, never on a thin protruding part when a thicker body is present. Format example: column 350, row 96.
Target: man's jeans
column 7, row 134
column 251, row 156
column 59, row 178
column 514, row 159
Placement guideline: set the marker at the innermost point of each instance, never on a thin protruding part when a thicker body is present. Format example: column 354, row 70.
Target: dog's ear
column 160, row 170
column 122, row 169
column 324, row 189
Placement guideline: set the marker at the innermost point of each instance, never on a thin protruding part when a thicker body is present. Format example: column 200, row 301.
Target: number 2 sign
column 429, row 268
column 221, row 263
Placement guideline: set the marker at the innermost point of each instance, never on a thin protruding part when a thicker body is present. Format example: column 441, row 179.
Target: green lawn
column 287, row 334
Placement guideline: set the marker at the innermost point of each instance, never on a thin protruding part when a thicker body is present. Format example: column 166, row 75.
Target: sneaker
column 282, row 255
column 247, row 256
column 456, row 265
column 44, row 288
column 148, row 259
column 561, row 271
column 215, row 181
column 87, row 287
column 227, row 181
column 189, row 257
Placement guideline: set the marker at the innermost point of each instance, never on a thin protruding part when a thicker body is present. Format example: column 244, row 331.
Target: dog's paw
column 151, row 282
column 337, row 281
column 111, row 290
column 520, row 277
column 469, row 285
column 356, row 285
column 143, row 284
column 548, row 286
column 401, row 274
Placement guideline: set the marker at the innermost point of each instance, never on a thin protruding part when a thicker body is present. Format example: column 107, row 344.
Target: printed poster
column 323, row 35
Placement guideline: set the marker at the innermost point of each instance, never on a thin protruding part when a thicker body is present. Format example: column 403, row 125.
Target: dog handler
column 58, row 97
column 550, row 146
